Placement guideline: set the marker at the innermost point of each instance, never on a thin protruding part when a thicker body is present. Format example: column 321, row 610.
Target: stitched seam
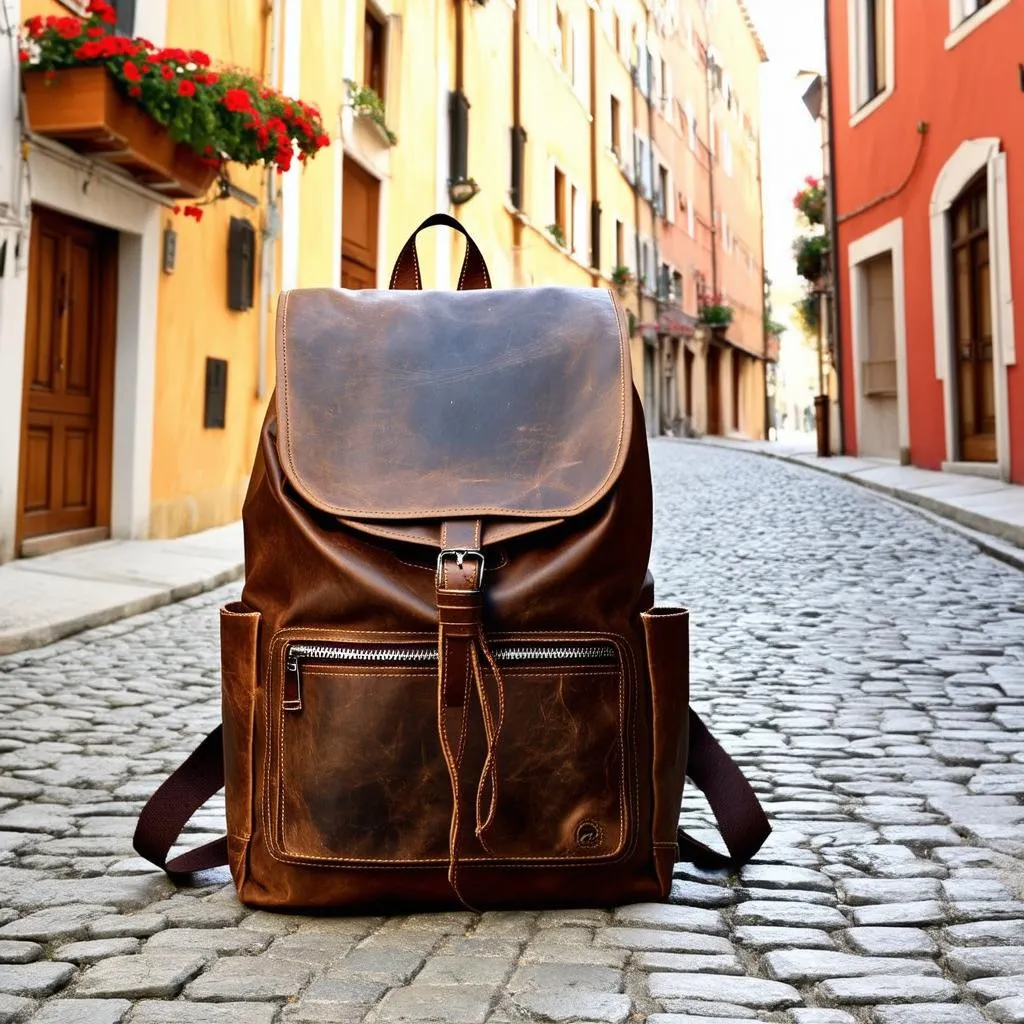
column 622, row 850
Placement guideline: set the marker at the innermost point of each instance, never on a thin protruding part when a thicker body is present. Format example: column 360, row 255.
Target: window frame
column 963, row 23
column 863, row 65
column 377, row 54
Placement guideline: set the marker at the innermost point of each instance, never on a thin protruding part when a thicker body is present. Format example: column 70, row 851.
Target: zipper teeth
column 421, row 655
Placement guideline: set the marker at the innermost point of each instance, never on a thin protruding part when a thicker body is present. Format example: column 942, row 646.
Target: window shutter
column 595, row 235
column 580, row 232
column 125, row 17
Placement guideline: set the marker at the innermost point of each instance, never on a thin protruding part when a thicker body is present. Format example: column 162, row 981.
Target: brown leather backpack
column 447, row 680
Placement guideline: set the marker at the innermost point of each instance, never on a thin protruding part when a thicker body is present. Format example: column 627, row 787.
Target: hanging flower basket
column 713, row 311
column 810, row 253
column 164, row 115
column 810, row 201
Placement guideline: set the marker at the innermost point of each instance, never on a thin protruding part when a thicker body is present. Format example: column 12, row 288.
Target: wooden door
column 69, row 380
column 737, row 391
column 360, row 206
column 688, row 384
column 972, row 321
column 714, row 391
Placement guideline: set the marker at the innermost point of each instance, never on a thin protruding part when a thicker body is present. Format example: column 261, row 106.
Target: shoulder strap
column 741, row 819
column 179, row 796
column 736, row 808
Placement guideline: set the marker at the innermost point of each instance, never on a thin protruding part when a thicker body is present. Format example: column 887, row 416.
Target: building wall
column 964, row 89
column 199, row 475
column 171, row 474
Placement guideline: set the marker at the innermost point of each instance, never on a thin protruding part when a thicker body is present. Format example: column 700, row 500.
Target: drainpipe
column 517, row 115
column 764, row 326
column 833, row 227
column 595, row 240
column 271, row 216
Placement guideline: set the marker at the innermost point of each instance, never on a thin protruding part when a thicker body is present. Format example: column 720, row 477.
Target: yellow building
column 136, row 351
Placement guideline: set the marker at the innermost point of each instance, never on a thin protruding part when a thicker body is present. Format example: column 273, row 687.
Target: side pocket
column 239, row 638
column 667, row 632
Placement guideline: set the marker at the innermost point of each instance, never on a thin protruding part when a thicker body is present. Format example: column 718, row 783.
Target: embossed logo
column 587, row 834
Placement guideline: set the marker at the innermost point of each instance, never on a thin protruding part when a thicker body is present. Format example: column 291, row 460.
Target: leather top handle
column 406, row 275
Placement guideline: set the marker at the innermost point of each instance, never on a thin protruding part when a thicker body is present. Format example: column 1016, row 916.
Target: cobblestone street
column 864, row 665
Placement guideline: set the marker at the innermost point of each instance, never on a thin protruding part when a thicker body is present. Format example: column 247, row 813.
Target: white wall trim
column 442, row 239
column 151, row 21
column 857, row 30
column 971, row 157
column 961, row 25
column 887, row 238
column 291, row 209
column 58, row 184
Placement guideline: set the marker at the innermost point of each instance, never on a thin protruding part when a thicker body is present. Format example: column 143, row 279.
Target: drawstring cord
column 455, row 751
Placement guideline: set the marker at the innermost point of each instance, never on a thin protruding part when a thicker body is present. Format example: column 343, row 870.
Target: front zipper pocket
column 299, row 655
column 357, row 775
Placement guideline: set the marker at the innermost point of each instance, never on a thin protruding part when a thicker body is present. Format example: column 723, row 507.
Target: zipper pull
column 292, row 684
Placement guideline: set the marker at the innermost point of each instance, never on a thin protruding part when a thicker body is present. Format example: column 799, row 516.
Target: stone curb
column 16, row 641
column 970, row 525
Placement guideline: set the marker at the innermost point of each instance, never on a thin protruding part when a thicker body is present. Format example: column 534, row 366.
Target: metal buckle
column 460, row 557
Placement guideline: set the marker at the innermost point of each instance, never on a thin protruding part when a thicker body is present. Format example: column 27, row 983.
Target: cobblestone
column 865, row 667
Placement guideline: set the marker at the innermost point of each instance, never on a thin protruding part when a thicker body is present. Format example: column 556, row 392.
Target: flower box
column 82, row 108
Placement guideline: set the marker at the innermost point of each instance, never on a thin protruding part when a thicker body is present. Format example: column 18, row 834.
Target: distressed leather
column 464, row 767
column 475, row 403
column 446, row 683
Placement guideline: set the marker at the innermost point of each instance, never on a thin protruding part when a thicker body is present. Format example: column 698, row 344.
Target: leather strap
column 741, row 820
column 406, row 275
column 179, row 796
column 736, row 808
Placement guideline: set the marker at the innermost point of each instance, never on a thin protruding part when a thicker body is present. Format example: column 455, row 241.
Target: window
column 616, row 131
column 125, row 17
column 560, row 44
column 691, row 118
column 373, row 54
column 871, row 63
column 575, row 227
column 617, row 23
column 970, row 7
column 965, row 16
column 580, row 242
column 620, row 244
column 677, row 288
column 645, row 265
column 560, row 218
column 663, row 190
column 665, row 282
column 875, row 39
column 531, row 17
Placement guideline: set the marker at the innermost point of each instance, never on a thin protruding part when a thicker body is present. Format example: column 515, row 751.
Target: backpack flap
column 412, row 407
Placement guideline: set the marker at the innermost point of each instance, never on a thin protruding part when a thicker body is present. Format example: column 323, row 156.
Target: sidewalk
column 47, row 598
column 977, row 503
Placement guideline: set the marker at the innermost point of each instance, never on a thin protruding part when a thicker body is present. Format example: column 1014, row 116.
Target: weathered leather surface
column 426, row 405
column 352, row 799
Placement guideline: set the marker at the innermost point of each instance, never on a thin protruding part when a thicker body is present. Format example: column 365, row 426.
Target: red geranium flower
column 237, row 100
column 131, row 71
column 194, row 211
column 135, row 90
column 186, row 87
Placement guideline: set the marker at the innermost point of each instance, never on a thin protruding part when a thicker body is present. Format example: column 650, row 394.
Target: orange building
column 698, row 145
column 926, row 124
